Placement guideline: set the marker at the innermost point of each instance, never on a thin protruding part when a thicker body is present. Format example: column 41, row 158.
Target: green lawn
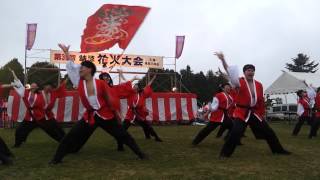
column 173, row 159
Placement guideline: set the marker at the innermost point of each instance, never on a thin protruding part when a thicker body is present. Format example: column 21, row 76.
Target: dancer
column 316, row 120
column 137, row 111
column 304, row 111
column 100, row 111
column 50, row 96
column 5, row 153
column 249, row 110
column 123, row 90
column 35, row 114
column 221, row 110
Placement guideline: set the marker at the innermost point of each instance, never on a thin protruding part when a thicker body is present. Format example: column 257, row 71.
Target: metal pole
column 25, row 57
column 285, row 96
column 175, row 72
column 59, row 78
column 119, row 77
column 25, row 66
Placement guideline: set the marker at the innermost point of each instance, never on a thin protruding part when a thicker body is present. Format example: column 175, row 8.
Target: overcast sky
column 267, row 33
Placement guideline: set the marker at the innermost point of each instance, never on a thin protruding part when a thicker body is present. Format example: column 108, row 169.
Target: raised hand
column 64, row 48
column 13, row 74
column 220, row 55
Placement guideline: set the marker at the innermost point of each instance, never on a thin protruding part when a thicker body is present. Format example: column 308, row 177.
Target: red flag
column 31, row 35
column 179, row 45
column 112, row 24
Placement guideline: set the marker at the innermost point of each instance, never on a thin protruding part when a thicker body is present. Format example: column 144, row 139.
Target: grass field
column 173, row 159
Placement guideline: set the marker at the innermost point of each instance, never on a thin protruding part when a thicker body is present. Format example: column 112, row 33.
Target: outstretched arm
column 72, row 68
column 18, row 86
column 13, row 74
column 220, row 55
column 232, row 71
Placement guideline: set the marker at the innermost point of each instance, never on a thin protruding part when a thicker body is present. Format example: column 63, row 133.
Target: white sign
column 107, row 60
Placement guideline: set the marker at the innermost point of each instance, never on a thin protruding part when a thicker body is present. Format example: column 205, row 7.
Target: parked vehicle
column 282, row 112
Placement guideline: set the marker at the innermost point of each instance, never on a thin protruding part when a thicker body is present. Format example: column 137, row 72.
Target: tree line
column 204, row 84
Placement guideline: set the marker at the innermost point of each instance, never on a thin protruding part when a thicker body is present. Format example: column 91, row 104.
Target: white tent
column 290, row 82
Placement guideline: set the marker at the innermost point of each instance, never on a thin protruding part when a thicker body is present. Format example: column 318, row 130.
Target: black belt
column 244, row 107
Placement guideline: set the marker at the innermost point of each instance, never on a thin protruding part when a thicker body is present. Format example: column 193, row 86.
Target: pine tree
column 7, row 78
column 302, row 63
column 43, row 76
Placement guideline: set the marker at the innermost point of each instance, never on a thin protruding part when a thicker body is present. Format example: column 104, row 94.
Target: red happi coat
column 244, row 106
column 305, row 102
column 123, row 90
column 137, row 105
column 106, row 106
column 226, row 103
column 231, row 109
column 53, row 96
column 37, row 107
column 317, row 105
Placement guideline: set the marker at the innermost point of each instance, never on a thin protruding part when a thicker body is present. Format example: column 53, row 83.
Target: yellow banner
column 107, row 60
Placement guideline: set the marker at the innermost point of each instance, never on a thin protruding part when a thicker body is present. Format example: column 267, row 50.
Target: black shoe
column 120, row 149
column 11, row 155
column 7, row 161
column 143, row 156
column 283, row 152
column 16, row 145
column 223, row 156
column 148, row 137
column 158, row 140
column 55, row 162
column 194, row 144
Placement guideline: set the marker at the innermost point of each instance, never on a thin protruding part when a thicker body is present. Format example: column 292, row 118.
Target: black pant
column 299, row 124
column 227, row 124
column 56, row 127
column 222, row 129
column 147, row 129
column 259, row 126
column 315, row 127
column 5, row 153
column 81, row 132
column 51, row 127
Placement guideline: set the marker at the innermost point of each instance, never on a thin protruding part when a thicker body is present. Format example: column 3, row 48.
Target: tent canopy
column 290, row 82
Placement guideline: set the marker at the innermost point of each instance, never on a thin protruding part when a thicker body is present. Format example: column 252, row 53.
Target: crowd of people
column 239, row 104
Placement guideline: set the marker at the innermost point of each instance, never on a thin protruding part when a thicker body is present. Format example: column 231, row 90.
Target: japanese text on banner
column 107, row 60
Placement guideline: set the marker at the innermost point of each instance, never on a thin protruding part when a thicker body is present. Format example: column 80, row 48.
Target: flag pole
column 25, row 56
column 175, row 72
